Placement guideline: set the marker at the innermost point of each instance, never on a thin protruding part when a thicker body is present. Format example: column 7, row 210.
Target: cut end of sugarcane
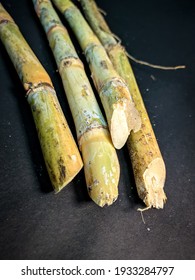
column 101, row 167
column 58, row 188
column 125, row 118
column 154, row 178
column 119, row 129
column 134, row 119
column 69, row 165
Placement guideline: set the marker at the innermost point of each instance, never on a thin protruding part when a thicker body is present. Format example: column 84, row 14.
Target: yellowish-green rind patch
column 101, row 167
column 60, row 152
column 29, row 69
column 61, row 155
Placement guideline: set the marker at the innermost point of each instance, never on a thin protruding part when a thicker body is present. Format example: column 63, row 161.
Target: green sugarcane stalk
column 148, row 165
column 121, row 114
column 101, row 164
column 61, row 155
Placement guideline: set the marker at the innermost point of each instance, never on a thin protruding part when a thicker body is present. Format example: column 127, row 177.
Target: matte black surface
column 35, row 223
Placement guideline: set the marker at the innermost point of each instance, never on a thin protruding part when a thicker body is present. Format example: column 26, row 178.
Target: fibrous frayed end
column 156, row 201
column 152, row 193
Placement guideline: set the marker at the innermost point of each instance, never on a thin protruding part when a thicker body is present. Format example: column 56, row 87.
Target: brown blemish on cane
column 62, row 170
column 67, row 63
column 4, row 21
column 85, row 91
column 70, row 61
column 35, row 110
column 103, row 64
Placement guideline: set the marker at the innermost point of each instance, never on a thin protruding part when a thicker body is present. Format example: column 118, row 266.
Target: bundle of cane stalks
column 147, row 162
column 126, row 121
column 121, row 114
column 101, row 164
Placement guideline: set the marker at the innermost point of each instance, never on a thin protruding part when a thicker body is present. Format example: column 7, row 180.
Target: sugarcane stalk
column 101, row 164
column 121, row 114
column 147, row 162
column 61, row 155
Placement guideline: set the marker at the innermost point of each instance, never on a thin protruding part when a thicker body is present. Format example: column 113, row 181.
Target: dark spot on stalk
column 35, row 110
column 149, row 135
column 103, row 64
column 4, row 21
column 150, row 153
column 67, row 63
column 33, row 107
column 84, row 92
column 62, row 170
column 55, row 21
column 56, row 106
column 64, row 125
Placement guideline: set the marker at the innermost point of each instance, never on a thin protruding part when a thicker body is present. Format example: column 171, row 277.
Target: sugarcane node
column 54, row 27
column 112, row 47
column 120, row 87
column 82, row 134
column 89, row 49
column 70, row 61
column 30, row 87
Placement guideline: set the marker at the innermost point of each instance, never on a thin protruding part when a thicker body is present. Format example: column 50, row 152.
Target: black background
column 37, row 224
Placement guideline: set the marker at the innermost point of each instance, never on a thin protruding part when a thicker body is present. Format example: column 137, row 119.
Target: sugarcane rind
column 101, row 166
column 29, row 69
column 60, row 152
column 61, row 155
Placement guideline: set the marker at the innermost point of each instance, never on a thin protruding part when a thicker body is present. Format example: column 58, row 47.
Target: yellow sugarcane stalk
column 101, row 164
column 121, row 114
column 61, row 155
column 147, row 161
